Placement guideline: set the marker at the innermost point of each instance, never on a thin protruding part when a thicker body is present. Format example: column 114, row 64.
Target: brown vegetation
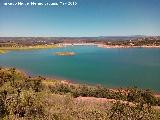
column 38, row 98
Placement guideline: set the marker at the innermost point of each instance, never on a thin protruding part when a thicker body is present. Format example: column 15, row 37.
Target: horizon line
column 80, row 36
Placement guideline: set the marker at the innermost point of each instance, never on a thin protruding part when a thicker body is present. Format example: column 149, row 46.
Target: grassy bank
column 29, row 47
column 37, row 98
column 3, row 51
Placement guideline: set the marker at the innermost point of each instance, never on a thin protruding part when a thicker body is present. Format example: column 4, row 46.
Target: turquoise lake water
column 92, row 65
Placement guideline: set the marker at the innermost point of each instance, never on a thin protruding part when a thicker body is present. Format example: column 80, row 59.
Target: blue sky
column 88, row 18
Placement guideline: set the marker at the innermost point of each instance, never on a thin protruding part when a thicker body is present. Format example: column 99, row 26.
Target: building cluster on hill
column 34, row 41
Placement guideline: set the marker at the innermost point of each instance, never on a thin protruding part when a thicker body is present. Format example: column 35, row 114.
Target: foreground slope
column 39, row 98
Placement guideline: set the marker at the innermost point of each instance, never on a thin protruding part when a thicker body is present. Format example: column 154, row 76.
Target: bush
column 60, row 88
column 86, row 91
column 141, row 96
column 26, row 104
column 32, row 83
column 3, row 109
column 120, row 111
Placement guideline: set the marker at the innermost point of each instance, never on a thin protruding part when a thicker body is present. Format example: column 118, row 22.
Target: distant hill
column 49, row 39
column 121, row 37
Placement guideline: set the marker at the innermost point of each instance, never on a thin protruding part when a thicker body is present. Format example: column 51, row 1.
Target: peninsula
column 3, row 51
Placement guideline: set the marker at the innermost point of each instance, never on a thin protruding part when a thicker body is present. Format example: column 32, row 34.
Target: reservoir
column 110, row 67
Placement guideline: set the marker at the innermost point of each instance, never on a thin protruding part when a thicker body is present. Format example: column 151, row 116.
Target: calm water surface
column 110, row 67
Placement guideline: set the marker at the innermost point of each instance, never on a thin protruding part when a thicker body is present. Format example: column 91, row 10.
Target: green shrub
column 141, row 96
column 60, row 88
column 32, row 83
column 120, row 111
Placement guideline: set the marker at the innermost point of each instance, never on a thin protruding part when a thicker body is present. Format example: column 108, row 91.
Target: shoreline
column 123, row 46
column 3, row 51
column 27, row 73
column 31, row 47
column 60, row 97
column 58, row 78
column 7, row 49
column 70, row 82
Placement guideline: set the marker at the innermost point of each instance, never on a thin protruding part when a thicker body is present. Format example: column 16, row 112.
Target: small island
column 65, row 53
